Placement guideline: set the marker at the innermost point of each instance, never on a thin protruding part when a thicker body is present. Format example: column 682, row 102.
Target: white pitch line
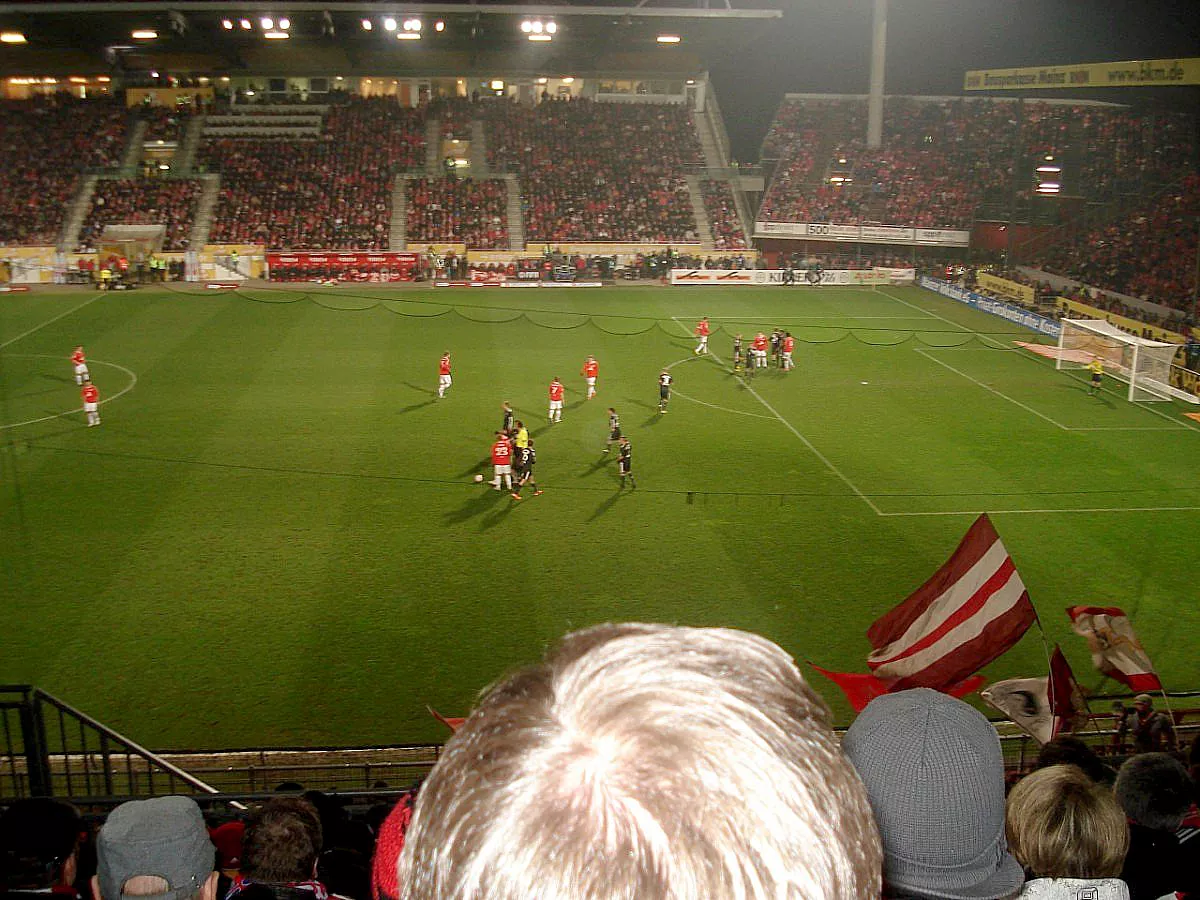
column 841, row 316
column 978, row 334
column 51, row 321
column 1018, row 512
column 988, row 387
column 99, row 362
column 790, row 427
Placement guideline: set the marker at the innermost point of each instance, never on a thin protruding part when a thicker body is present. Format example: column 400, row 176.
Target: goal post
column 1143, row 364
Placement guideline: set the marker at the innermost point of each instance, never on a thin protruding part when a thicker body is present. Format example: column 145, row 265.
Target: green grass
column 274, row 538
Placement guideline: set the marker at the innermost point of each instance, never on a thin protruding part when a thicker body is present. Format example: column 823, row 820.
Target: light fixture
column 250, row 92
column 276, row 35
column 690, row 81
column 366, row 24
column 540, row 37
column 144, row 34
column 267, row 24
column 285, row 24
column 497, row 85
column 439, row 25
column 537, row 27
column 568, row 79
column 389, row 24
column 104, row 79
column 245, row 23
column 154, row 74
column 227, row 24
column 163, row 166
column 1049, row 169
column 551, row 28
column 526, row 26
column 12, row 37
column 412, row 24
column 668, row 39
column 339, row 78
column 542, row 80
column 75, row 79
column 408, row 36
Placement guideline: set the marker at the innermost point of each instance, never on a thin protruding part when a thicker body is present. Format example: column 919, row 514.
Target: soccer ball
column 478, row 479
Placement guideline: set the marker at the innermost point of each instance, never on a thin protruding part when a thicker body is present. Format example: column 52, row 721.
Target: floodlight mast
column 878, row 62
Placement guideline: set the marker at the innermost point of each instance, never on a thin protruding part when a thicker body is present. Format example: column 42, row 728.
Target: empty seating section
column 143, row 201
column 458, row 210
column 330, row 192
column 598, row 171
column 727, row 230
column 46, row 146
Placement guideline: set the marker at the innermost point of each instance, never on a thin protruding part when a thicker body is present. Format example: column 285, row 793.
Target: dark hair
column 1154, row 790
column 1071, row 751
column 37, row 837
column 283, row 839
column 345, row 872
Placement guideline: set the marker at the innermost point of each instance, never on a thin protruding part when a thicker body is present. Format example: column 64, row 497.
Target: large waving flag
column 1115, row 648
column 973, row 609
column 1042, row 707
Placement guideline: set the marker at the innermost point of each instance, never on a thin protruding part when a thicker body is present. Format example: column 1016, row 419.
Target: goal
column 1143, row 364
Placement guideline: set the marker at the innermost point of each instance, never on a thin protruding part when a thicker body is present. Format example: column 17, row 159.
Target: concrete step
column 185, row 156
column 516, row 214
column 433, row 146
column 206, row 209
column 479, row 164
column 703, row 228
column 708, row 143
column 81, row 204
column 398, row 227
column 133, row 149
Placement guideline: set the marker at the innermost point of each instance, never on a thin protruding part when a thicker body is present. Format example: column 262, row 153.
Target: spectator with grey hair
column 935, row 775
column 1156, row 792
column 155, row 848
column 645, row 761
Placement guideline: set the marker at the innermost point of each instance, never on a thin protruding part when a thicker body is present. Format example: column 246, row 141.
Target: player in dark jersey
column 664, row 390
column 777, row 346
column 526, row 457
column 507, row 427
column 737, row 354
column 625, row 462
column 614, row 429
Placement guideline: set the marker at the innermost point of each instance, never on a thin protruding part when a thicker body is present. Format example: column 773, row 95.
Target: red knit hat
column 228, row 840
column 384, row 883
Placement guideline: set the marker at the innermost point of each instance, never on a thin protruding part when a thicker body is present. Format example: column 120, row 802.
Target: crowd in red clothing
column 1150, row 253
column 454, row 115
column 598, row 171
column 459, row 210
column 46, row 145
column 143, row 201
column 727, row 230
column 333, row 192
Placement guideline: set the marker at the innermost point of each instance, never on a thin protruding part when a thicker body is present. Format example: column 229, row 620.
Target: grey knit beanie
column 935, row 779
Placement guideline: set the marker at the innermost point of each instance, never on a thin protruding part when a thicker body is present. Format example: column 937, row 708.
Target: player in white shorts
column 556, row 400
column 444, row 379
column 81, row 370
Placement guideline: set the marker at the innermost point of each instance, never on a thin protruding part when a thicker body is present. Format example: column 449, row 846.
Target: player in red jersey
column 502, row 454
column 702, row 335
column 556, row 400
column 444, row 379
column 760, row 350
column 591, row 369
column 91, row 403
column 789, row 344
column 81, row 370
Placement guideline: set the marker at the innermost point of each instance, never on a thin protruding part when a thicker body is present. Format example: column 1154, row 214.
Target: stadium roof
column 210, row 37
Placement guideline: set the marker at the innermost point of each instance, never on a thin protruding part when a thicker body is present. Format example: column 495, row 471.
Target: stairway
column 81, row 203
column 133, row 149
column 708, row 143
column 398, row 227
column 479, row 164
column 703, row 229
column 185, row 156
column 433, row 146
column 516, row 214
column 206, row 208
column 743, row 209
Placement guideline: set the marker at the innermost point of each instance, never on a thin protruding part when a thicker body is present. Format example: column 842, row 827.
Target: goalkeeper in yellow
column 1096, row 367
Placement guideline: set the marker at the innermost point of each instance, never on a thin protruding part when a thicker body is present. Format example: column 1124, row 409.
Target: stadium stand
column 164, row 124
column 468, row 211
column 727, row 230
column 598, row 171
column 331, row 192
column 47, row 145
column 143, row 201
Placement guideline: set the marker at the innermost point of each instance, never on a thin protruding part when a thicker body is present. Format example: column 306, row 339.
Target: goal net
column 1143, row 364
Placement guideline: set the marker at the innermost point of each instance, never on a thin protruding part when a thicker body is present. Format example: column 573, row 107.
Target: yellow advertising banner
column 1129, row 73
column 1009, row 290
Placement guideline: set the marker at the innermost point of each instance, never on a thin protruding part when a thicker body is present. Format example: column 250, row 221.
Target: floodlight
column 366, row 24
column 568, row 79
column 542, row 80
column 285, row 24
column 497, row 85
column 408, row 36
column 668, row 39
column 389, row 24
column 245, row 23
column 537, row 27
column 551, row 28
column 12, row 37
column 267, row 24
column 526, row 26
column 1049, row 168
column 76, row 79
column 439, row 25
column 227, row 24
column 276, row 35
column 144, row 34
column 540, row 37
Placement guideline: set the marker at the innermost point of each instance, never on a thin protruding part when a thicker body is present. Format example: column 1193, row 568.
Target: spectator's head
column 39, row 840
column 1154, row 790
column 1143, row 703
column 228, row 840
column 935, row 776
column 645, row 761
column 1062, row 824
column 155, row 848
column 1071, row 751
column 283, row 840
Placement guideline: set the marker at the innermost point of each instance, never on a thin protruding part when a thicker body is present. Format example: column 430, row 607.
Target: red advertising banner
column 345, row 266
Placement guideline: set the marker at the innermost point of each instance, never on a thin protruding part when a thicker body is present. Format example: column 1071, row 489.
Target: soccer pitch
column 275, row 539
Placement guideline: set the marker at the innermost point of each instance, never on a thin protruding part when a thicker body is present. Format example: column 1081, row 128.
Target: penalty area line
column 792, row 428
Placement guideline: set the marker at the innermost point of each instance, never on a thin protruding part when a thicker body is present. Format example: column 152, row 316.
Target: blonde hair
column 646, row 761
column 1061, row 824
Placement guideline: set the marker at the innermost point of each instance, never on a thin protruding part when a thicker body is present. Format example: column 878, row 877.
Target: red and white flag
column 1042, row 707
column 1115, row 648
column 973, row 609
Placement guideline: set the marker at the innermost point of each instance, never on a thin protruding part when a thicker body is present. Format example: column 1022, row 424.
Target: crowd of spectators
column 727, row 229
column 454, row 115
column 661, row 761
column 46, row 145
column 170, row 202
column 598, row 171
column 333, row 192
column 459, row 210
column 1149, row 253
